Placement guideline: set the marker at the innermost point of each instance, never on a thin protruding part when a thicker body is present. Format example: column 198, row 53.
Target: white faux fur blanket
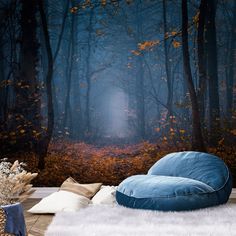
column 120, row 221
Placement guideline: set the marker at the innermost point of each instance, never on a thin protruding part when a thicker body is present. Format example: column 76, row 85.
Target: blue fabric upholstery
column 179, row 181
column 200, row 166
column 15, row 222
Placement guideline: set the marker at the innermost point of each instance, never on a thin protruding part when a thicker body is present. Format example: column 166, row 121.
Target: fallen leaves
column 233, row 132
column 110, row 164
column 176, row 44
column 135, row 52
column 73, row 10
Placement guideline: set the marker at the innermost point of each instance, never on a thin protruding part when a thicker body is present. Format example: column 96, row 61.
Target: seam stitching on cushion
column 228, row 172
column 171, row 196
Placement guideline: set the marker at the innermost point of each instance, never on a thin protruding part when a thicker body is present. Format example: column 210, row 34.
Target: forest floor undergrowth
column 110, row 164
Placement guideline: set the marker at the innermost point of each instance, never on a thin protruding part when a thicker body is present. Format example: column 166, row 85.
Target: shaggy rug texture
column 121, row 221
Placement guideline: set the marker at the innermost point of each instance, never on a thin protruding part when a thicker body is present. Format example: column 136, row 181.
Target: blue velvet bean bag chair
column 178, row 182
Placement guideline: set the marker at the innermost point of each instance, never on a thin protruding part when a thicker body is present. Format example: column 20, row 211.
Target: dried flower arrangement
column 14, row 182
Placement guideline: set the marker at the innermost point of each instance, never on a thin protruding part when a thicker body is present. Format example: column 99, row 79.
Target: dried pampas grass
column 14, row 182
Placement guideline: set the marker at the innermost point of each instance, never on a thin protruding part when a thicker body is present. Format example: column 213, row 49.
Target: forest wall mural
column 101, row 89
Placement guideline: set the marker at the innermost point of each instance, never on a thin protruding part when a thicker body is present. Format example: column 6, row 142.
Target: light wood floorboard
column 36, row 224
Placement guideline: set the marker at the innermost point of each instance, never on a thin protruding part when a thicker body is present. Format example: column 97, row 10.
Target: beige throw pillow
column 60, row 201
column 86, row 190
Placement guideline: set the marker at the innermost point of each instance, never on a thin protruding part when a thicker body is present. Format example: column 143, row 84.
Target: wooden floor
column 37, row 224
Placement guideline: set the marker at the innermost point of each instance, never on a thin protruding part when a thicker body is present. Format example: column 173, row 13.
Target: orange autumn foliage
column 109, row 165
column 148, row 44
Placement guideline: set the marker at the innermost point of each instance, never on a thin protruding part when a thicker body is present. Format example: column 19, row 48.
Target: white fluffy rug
column 120, row 221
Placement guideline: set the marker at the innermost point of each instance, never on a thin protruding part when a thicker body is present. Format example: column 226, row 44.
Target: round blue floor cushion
column 177, row 182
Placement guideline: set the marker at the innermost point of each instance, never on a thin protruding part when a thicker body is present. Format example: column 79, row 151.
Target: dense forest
column 101, row 89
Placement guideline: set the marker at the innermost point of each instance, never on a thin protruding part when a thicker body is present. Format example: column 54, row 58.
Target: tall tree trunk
column 44, row 143
column 231, row 68
column 197, row 140
column 69, row 72
column 63, row 23
column 11, row 72
column 55, row 55
column 27, row 103
column 201, row 59
column 185, row 114
column 77, row 115
column 2, row 89
column 212, row 69
column 140, row 102
column 88, row 76
column 140, row 106
column 167, row 67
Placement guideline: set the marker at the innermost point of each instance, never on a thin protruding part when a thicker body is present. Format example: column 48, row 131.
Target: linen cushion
column 86, row 190
column 106, row 195
column 178, row 182
column 60, row 201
